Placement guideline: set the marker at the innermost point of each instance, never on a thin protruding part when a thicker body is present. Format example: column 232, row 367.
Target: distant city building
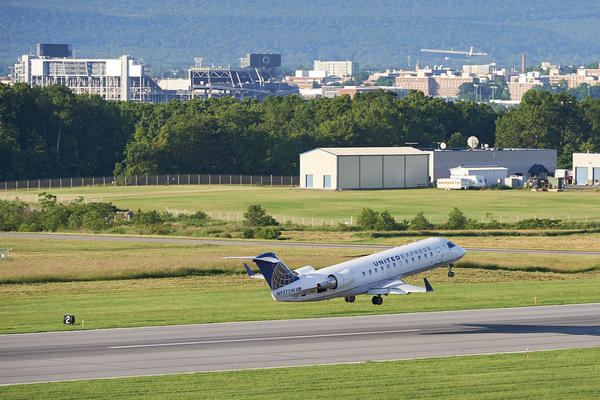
column 437, row 82
column 336, row 68
column 118, row 79
column 484, row 69
column 520, row 84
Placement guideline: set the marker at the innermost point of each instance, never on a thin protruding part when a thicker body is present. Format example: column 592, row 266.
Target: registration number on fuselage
column 283, row 292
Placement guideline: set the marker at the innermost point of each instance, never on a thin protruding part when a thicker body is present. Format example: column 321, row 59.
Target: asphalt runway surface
column 73, row 355
column 269, row 244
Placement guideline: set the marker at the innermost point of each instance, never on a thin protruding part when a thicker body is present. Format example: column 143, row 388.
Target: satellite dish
column 443, row 146
column 472, row 141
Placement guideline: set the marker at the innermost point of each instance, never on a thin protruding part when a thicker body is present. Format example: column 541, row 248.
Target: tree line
column 52, row 132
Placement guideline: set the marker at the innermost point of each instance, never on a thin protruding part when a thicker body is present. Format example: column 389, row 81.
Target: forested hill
column 372, row 32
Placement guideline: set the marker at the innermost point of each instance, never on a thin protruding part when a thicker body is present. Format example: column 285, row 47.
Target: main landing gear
column 350, row 299
column 450, row 272
column 377, row 300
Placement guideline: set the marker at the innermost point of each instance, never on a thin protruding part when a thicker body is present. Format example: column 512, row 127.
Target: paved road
column 267, row 244
column 41, row 357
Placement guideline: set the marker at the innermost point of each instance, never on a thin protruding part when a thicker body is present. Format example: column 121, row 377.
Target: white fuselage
column 356, row 276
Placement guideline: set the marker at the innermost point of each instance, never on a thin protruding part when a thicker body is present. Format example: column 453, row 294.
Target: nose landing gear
column 450, row 272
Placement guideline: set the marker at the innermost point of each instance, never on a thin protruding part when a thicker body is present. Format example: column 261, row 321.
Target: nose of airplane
column 461, row 251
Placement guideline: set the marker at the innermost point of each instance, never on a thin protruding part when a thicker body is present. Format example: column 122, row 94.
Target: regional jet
column 376, row 274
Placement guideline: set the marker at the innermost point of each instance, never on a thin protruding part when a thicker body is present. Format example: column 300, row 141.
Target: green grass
column 63, row 260
column 505, row 205
column 563, row 374
column 146, row 302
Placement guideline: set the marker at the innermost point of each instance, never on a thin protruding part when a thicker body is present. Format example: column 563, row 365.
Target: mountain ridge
column 378, row 33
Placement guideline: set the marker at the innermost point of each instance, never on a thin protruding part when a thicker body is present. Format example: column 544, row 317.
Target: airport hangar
column 344, row 168
column 586, row 168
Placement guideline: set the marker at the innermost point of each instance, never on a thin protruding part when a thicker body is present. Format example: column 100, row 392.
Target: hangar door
column 581, row 175
column 393, row 171
column 417, row 171
column 348, row 172
column 371, row 172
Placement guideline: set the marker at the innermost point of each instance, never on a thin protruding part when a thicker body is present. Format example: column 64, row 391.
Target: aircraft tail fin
column 275, row 272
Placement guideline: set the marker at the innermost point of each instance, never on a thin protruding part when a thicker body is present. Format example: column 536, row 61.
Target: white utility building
column 517, row 161
column 586, row 168
column 489, row 176
column 364, row 168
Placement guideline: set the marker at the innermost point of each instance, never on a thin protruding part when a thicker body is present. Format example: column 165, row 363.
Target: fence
column 147, row 180
column 238, row 216
column 352, row 220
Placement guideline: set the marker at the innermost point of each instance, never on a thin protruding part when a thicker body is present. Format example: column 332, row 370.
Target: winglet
column 249, row 271
column 428, row 287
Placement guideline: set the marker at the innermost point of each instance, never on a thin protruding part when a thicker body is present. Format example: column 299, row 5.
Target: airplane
column 375, row 274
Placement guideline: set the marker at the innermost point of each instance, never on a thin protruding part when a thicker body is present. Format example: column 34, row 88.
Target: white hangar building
column 517, row 161
column 364, row 168
column 586, row 167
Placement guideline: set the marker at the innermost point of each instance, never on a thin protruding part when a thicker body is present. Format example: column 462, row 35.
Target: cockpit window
column 450, row 244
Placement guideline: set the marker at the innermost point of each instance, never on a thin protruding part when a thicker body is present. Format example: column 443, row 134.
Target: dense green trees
column 230, row 136
column 50, row 132
column 551, row 121
column 53, row 132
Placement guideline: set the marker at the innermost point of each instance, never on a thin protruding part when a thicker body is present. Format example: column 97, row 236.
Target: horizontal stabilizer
column 251, row 273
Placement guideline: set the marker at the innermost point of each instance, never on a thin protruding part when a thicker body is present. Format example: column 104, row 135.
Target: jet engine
column 336, row 281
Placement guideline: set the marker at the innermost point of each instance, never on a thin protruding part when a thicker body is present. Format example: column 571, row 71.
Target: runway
column 269, row 244
column 73, row 355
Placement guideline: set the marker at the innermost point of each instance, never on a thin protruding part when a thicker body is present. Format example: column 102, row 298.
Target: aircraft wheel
column 451, row 274
column 374, row 300
column 350, row 299
column 379, row 300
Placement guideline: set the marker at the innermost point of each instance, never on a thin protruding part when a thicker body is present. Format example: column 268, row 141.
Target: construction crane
column 469, row 53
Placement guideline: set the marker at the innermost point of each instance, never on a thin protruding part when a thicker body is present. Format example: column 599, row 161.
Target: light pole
column 475, row 86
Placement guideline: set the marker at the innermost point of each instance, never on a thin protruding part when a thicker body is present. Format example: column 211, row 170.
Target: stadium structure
column 120, row 79
column 257, row 76
column 125, row 78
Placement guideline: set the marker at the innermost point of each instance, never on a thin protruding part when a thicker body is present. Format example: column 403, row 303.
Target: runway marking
column 262, row 339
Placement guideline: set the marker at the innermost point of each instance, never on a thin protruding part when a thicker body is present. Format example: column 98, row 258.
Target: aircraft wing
column 398, row 286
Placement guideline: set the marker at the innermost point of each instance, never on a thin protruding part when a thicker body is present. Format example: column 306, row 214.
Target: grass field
column 168, row 301
column 55, row 260
column 564, row 374
column 507, row 206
